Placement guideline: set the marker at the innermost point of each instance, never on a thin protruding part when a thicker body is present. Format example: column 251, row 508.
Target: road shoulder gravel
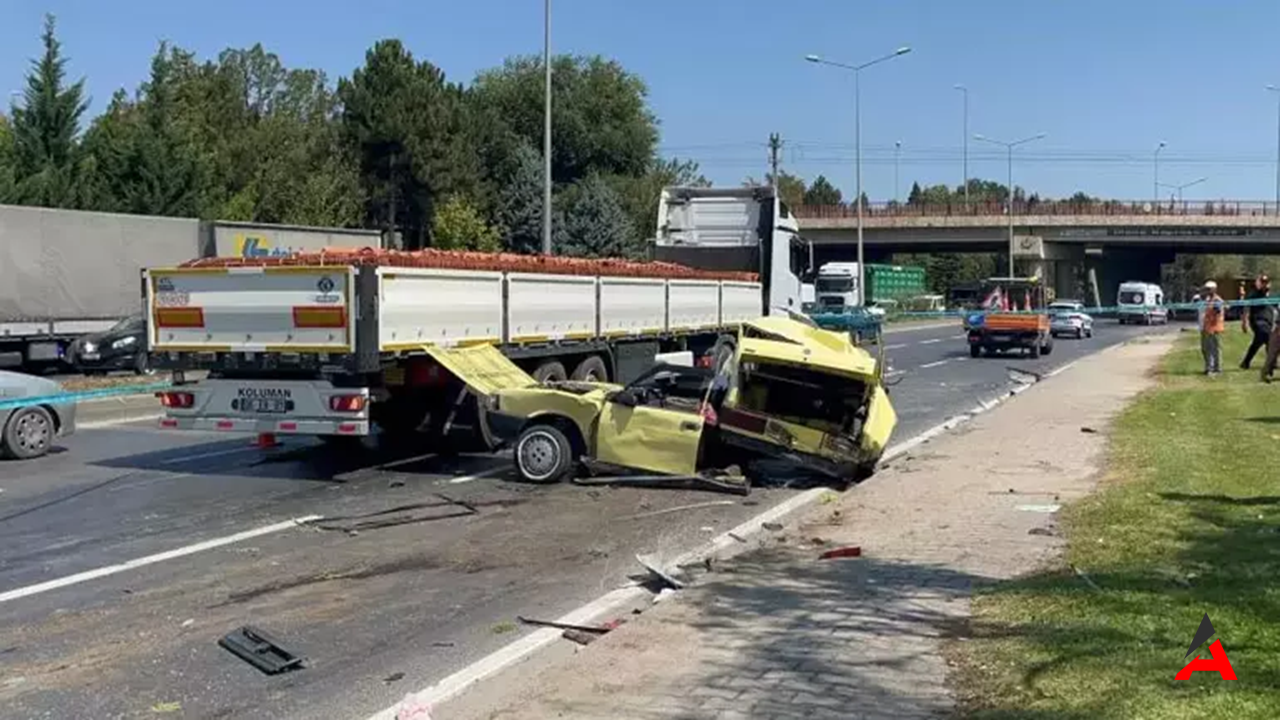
column 777, row 632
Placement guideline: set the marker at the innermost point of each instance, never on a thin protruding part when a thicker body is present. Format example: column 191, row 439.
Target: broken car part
column 260, row 650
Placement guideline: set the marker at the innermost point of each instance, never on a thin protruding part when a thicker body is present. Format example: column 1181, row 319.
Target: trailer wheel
column 1047, row 348
column 550, row 371
column 975, row 350
column 543, row 454
column 591, row 369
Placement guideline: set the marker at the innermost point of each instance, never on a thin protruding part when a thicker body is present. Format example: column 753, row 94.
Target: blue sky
column 1105, row 80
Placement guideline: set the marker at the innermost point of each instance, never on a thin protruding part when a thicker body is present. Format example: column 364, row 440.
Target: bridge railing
column 1216, row 208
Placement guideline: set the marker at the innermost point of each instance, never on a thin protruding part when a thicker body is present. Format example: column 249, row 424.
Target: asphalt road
column 419, row 568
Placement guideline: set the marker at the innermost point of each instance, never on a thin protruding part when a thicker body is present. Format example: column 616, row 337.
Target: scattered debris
column 817, row 541
column 503, row 628
column 412, row 708
column 707, row 528
column 1040, row 531
column 845, row 552
column 393, row 677
column 651, row 564
column 1087, row 429
column 166, row 707
column 830, row 497
column 737, row 537
column 708, row 480
column 441, row 644
column 580, row 637
column 188, row 622
column 395, row 484
column 398, row 515
column 598, row 629
column 1040, row 508
column 260, row 650
column 663, row 594
column 1088, row 580
column 772, row 526
column 678, row 508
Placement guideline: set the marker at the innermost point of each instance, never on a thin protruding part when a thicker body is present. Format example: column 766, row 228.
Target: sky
column 1105, row 81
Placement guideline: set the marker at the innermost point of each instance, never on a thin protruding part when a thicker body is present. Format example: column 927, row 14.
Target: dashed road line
column 934, row 364
column 930, row 342
column 899, row 346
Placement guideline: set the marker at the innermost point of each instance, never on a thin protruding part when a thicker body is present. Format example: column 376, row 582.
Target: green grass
column 1187, row 521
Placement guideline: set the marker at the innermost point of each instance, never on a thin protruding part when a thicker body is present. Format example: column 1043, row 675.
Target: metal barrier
column 1109, row 208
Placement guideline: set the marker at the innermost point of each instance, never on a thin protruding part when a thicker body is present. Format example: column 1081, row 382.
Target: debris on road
column 1040, row 531
column 678, row 508
column 188, row 622
column 502, row 628
column 166, row 707
column 1040, row 508
column 845, row 552
column 580, row 637
column 1087, row 429
column 412, row 708
column 260, row 650
column 393, row 677
column 772, row 526
column 663, row 594
column 650, row 563
column 737, row 537
column 396, row 484
column 736, row 484
column 442, row 644
column 1088, row 580
column 598, row 629
column 398, row 515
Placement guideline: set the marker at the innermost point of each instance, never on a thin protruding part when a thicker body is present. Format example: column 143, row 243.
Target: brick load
column 470, row 260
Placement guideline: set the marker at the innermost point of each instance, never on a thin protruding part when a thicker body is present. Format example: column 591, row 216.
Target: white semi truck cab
column 311, row 346
column 837, row 286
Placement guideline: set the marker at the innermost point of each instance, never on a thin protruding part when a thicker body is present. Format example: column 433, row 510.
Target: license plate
column 90, row 356
column 1000, row 338
column 264, row 405
column 42, row 351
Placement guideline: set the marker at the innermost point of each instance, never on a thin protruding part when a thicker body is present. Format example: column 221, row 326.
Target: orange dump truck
column 1013, row 317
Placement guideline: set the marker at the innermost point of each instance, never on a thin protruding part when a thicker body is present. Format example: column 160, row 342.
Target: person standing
column 1212, row 324
column 1259, row 318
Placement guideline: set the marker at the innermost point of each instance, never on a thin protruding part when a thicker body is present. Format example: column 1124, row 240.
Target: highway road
column 378, row 608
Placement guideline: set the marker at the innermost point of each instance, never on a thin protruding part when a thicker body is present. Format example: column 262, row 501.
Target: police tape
column 1137, row 310
column 68, row 398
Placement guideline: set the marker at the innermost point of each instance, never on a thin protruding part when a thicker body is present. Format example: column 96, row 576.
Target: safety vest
column 1214, row 317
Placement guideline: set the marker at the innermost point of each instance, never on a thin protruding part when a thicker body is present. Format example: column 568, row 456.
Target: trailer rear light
column 179, row 317
column 319, row 316
column 176, row 399
column 346, row 403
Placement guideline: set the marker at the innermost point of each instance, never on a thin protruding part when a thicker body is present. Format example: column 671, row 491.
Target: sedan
column 1068, row 317
column 27, row 429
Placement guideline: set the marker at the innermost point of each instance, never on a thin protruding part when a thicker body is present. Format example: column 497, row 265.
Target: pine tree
column 45, row 129
column 596, row 225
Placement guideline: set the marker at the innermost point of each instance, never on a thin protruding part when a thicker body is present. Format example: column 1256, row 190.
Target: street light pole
column 546, row 130
column 1155, row 195
column 1179, row 188
column 897, row 186
column 965, row 162
column 857, row 141
column 1010, row 146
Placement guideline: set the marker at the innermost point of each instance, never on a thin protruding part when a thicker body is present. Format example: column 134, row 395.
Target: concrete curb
column 116, row 410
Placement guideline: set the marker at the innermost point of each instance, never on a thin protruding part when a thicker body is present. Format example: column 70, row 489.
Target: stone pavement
column 777, row 633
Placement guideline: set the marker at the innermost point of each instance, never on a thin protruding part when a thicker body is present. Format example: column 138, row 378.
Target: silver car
column 1067, row 317
column 28, row 430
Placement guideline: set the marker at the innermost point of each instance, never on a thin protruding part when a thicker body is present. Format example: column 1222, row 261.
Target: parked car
column 123, row 346
column 28, row 431
column 1067, row 317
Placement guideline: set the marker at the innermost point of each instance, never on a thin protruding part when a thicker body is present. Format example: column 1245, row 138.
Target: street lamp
column 897, row 153
column 857, row 141
column 1184, row 186
column 1155, row 162
column 546, row 129
column 1010, row 146
column 1276, row 90
column 965, row 90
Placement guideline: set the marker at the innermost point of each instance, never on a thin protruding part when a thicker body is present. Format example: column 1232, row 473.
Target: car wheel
column 28, row 433
column 1080, row 334
column 1034, row 351
column 543, row 454
column 142, row 364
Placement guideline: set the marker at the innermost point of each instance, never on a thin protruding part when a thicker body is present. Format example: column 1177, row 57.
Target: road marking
column 62, row 582
column 477, row 476
column 210, row 454
column 930, row 342
column 895, row 347
column 891, row 373
column 934, row 364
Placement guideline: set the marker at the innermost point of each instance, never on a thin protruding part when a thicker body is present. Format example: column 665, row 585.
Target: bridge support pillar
column 1116, row 265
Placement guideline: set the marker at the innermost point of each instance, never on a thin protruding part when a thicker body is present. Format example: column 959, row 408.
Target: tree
column 519, row 212
column 790, row 187
column 6, row 161
column 822, row 192
column 639, row 195
column 600, row 119
column 45, row 127
column 457, row 225
column 405, row 123
column 596, row 224
column 917, row 195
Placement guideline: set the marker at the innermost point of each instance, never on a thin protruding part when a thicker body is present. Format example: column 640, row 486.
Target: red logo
column 1217, row 662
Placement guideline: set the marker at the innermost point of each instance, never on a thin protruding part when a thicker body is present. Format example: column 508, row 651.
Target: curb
column 116, row 410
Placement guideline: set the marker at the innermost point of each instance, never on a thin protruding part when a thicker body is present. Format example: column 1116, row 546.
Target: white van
column 1141, row 303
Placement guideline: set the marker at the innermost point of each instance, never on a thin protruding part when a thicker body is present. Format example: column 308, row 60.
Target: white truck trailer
column 340, row 350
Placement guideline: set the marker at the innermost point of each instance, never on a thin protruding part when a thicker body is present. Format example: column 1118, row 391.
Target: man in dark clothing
column 1260, row 319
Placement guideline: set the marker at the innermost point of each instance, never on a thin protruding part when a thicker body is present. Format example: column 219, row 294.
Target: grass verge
column 1185, row 522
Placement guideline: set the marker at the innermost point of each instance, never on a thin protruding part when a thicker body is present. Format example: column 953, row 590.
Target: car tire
column 591, row 369
column 1047, row 348
column 975, row 351
column 1080, row 334
column 1034, row 351
column 543, row 454
column 142, row 364
column 550, row 371
column 28, row 433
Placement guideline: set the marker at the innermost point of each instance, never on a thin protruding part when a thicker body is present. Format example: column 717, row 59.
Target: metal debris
column 678, row 508
column 845, row 552
column 260, row 650
column 650, row 563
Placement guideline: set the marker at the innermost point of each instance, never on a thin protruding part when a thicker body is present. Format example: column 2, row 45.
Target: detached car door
column 661, row 440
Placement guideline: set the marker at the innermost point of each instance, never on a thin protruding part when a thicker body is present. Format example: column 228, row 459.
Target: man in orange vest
column 1212, row 325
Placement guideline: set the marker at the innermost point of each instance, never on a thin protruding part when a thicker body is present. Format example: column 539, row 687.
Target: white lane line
column 930, row 342
column 210, row 454
column 934, row 364
column 62, row 582
column 899, row 346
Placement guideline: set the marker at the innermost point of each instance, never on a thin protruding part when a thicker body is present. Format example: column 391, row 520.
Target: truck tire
column 591, row 369
column 1047, row 348
column 1034, row 351
column 550, row 371
column 28, row 433
column 543, row 454
column 975, row 350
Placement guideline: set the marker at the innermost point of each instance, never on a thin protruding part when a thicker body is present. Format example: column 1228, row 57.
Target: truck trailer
column 343, row 344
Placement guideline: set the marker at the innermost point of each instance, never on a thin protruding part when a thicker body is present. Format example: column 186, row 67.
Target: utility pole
column 546, row 130
column 965, row 172
column 775, row 147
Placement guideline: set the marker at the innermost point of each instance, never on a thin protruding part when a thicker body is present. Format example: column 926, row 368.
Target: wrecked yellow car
column 791, row 392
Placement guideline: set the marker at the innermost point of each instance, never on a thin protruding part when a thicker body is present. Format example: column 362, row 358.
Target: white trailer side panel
column 550, row 307
column 692, row 304
column 632, row 305
column 421, row 306
column 285, row 309
column 740, row 302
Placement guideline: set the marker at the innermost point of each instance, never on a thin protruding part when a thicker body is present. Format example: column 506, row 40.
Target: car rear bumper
column 275, row 427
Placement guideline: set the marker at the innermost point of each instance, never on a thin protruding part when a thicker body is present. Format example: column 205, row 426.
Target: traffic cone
column 267, row 440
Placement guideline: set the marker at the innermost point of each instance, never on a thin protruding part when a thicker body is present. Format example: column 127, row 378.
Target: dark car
column 123, row 346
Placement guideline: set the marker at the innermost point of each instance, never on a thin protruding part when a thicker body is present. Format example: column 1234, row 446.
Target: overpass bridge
column 1066, row 241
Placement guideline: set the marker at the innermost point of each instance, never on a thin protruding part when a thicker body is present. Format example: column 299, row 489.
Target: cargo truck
column 837, row 285
column 65, row 274
column 377, row 342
